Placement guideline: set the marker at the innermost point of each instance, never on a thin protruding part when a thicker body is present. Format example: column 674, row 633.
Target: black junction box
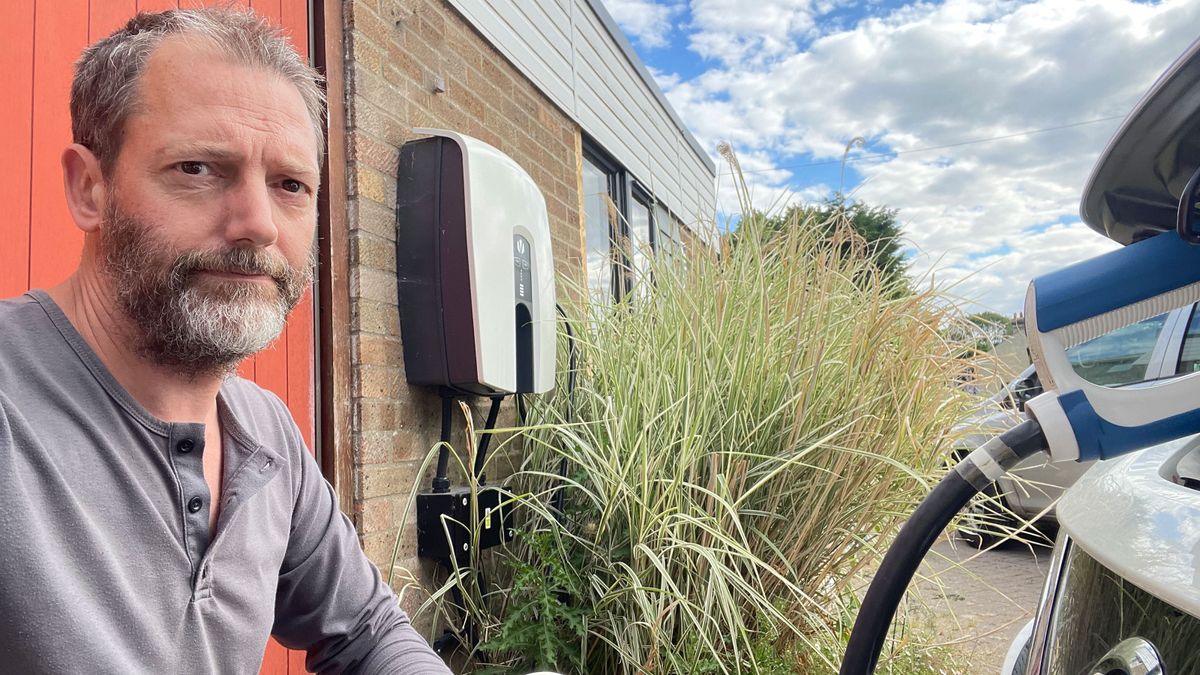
column 495, row 522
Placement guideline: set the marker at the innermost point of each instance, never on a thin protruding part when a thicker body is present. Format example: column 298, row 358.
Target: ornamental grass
column 746, row 431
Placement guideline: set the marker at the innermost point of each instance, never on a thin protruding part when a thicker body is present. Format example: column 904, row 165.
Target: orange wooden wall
column 39, row 243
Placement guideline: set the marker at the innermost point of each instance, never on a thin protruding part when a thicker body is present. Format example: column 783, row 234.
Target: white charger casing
column 474, row 268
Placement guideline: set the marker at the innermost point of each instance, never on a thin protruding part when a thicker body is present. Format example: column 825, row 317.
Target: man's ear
column 85, row 186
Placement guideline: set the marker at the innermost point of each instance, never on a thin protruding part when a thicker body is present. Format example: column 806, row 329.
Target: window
column 1120, row 357
column 669, row 229
column 641, row 245
column 624, row 225
column 1189, row 356
column 664, row 243
column 601, row 211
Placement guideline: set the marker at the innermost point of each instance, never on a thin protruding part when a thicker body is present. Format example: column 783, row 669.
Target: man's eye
column 193, row 168
column 292, row 185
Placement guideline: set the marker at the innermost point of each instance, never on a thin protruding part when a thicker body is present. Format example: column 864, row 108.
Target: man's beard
column 192, row 323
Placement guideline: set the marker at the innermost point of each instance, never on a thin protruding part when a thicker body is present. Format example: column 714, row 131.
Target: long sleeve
column 332, row 602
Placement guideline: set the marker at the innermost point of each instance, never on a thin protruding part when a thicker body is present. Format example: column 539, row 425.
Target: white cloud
column 930, row 75
column 998, row 281
column 650, row 23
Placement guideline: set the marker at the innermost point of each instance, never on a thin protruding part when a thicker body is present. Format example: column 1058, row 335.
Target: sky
column 1041, row 85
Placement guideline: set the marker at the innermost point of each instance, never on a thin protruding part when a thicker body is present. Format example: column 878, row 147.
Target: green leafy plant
column 543, row 625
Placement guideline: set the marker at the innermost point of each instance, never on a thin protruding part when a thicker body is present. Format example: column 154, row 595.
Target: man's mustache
column 236, row 261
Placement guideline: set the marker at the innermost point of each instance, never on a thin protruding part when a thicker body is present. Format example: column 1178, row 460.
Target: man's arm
column 332, row 602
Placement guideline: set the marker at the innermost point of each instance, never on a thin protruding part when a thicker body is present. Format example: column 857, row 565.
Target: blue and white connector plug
column 1084, row 421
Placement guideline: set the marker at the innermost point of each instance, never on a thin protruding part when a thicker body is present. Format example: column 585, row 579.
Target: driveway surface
column 980, row 600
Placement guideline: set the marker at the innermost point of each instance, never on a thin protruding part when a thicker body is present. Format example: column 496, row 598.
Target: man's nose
column 250, row 215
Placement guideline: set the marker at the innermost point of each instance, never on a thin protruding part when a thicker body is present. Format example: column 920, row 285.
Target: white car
column 1164, row 346
column 1123, row 592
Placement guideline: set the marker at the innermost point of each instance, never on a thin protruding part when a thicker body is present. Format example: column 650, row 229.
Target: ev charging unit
column 1083, row 421
column 475, row 276
column 474, row 269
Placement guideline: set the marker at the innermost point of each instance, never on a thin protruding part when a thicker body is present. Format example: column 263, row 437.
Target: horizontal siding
column 567, row 51
column 628, row 110
column 535, row 36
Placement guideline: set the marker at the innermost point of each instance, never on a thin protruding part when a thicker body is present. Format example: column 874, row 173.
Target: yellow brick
column 373, row 184
column 385, row 382
column 371, row 251
column 373, row 284
column 385, row 480
column 376, row 317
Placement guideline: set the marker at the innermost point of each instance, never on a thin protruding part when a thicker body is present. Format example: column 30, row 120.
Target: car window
column 1122, row 356
column 1189, row 356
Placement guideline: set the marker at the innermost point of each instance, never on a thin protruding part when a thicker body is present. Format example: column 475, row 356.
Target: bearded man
column 157, row 513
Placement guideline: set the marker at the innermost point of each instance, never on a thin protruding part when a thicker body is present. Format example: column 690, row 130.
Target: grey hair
column 104, row 91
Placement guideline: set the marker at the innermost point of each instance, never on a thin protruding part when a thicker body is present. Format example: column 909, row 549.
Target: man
column 158, row 514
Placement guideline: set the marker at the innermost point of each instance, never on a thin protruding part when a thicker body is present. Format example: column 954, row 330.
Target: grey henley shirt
column 106, row 564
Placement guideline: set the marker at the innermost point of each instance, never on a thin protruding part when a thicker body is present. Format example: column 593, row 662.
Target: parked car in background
column 1163, row 346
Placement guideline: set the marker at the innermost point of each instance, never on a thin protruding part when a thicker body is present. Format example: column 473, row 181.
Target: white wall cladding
column 573, row 52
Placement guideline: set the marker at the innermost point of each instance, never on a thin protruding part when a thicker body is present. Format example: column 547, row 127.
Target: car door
column 1130, row 356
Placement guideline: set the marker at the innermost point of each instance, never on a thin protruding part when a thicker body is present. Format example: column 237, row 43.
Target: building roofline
column 623, row 42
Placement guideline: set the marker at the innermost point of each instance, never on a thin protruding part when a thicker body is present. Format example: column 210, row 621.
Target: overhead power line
column 885, row 155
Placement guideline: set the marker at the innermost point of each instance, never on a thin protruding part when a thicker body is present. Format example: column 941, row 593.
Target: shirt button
column 195, row 504
column 186, row 445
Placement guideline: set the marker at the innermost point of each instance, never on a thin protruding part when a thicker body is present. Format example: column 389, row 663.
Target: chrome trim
column 1055, row 578
column 1170, row 343
column 1134, row 656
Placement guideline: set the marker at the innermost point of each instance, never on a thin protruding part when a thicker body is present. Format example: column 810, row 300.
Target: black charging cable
column 449, row 641
column 974, row 473
column 486, row 437
column 441, row 480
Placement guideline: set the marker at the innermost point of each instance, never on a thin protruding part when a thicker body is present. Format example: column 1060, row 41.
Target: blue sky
column 788, row 83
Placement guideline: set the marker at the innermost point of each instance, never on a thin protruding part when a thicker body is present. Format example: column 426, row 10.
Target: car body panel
column 1134, row 188
column 1130, row 515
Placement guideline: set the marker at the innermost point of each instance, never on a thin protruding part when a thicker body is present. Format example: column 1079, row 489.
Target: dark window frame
column 618, row 191
column 624, row 190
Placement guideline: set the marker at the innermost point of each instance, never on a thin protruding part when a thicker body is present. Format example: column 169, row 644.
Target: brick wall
column 395, row 51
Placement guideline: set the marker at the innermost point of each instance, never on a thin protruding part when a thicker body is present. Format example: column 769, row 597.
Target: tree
column 990, row 319
column 875, row 224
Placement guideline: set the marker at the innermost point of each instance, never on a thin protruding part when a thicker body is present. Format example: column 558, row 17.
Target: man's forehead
column 189, row 73
column 192, row 89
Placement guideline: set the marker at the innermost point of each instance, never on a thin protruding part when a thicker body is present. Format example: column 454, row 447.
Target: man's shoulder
column 17, row 314
column 26, row 335
column 260, row 413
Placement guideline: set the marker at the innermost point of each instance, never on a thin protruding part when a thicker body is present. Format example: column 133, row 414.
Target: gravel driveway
column 980, row 603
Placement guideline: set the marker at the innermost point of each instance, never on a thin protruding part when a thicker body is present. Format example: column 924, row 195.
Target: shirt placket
column 185, row 445
column 253, row 467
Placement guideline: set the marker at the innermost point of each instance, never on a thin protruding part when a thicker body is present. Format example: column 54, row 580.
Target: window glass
column 677, row 237
column 664, row 243
column 1120, row 357
column 639, row 240
column 1189, row 356
column 598, row 230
